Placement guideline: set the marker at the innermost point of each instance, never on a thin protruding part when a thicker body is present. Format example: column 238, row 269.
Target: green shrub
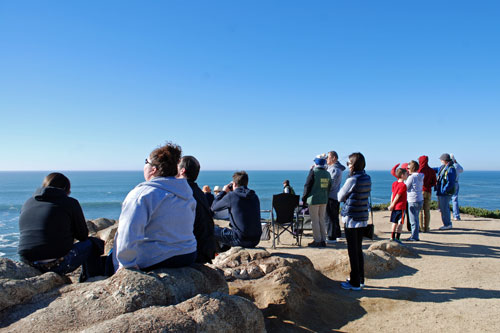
column 477, row 212
column 480, row 212
column 380, row 207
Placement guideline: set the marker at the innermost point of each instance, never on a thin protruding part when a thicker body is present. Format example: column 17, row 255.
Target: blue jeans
column 444, row 207
column 227, row 236
column 81, row 254
column 454, row 202
column 413, row 212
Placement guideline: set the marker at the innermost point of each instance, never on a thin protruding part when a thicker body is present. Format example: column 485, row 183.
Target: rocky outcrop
column 376, row 262
column 280, row 282
column 96, row 225
column 216, row 312
column 18, row 291
column 86, row 304
column 394, row 248
column 108, row 236
column 10, row 269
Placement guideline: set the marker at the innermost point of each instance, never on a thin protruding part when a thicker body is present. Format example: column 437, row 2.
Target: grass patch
column 474, row 211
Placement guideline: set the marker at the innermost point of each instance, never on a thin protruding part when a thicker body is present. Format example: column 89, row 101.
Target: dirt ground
column 454, row 284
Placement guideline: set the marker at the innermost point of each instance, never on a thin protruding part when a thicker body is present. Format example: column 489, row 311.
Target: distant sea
column 101, row 193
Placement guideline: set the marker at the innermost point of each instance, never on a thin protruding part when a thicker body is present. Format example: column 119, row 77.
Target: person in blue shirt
column 445, row 188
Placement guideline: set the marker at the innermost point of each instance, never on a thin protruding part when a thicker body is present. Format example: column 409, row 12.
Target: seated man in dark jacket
column 244, row 213
column 189, row 168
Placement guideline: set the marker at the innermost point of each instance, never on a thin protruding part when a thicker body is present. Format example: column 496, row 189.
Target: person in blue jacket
column 445, row 188
column 243, row 206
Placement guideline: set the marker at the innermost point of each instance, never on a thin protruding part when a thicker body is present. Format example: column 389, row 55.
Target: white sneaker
column 339, row 239
column 446, row 227
column 361, row 285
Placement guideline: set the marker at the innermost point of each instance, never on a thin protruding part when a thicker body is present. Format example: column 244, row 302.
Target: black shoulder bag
column 369, row 230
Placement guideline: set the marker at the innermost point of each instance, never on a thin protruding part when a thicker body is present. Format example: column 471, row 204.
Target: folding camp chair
column 286, row 207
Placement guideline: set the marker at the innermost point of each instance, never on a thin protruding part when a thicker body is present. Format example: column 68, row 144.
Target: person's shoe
column 446, row 227
column 411, row 239
column 331, row 241
column 322, row 244
column 397, row 241
column 457, row 219
column 314, row 244
column 339, row 239
column 348, row 286
column 361, row 285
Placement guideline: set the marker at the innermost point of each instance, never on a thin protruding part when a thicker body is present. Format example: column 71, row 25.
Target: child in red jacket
column 398, row 204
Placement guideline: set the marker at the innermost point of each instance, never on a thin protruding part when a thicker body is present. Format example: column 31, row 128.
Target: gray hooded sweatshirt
column 156, row 223
column 335, row 171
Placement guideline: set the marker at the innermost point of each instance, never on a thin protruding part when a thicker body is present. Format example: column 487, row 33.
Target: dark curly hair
column 166, row 158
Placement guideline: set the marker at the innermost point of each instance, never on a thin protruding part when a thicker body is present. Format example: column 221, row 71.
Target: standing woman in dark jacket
column 49, row 223
column 355, row 194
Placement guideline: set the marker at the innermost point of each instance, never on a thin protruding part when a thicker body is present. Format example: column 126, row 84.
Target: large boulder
column 394, row 248
column 17, row 291
column 280, row 282
column 108, row 236
column 16, row 270
column 216, row 312
column 376, row 263
column 84, row 305
column 101, row 223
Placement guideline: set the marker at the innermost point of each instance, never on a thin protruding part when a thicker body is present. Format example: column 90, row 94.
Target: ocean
column 101, row 193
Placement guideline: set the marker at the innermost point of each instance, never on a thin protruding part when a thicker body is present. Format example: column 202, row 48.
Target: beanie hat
column 445, row 157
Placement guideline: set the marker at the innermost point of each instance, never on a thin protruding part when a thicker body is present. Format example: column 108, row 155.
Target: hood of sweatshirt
column 339, row 166
column 178, row 187
column 244, row 192
column 423, row 160
column 46, row 193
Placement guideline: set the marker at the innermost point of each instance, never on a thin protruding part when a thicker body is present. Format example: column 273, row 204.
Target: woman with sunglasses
column 355, row 194
column 156, row 223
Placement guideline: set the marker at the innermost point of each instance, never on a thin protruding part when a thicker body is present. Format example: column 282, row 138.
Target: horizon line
column 140, row 170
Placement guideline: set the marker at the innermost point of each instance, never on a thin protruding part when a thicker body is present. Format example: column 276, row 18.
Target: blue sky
column 96, row 85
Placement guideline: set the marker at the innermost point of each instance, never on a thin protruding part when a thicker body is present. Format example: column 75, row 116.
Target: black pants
column 354, row 237
column 332, row 223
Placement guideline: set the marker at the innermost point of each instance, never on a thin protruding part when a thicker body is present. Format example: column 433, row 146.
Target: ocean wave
column 10, row 207
column 10, row 240
column 101, row 204
column 11, row 234
column 9, row 245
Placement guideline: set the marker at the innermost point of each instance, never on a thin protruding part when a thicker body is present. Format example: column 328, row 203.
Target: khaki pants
column 318, row 214
column 425, row 213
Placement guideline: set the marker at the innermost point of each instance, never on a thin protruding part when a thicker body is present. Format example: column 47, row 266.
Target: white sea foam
column 9, row 240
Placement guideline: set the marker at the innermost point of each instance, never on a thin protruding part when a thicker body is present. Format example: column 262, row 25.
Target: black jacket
column 244, row 212
column 203, row 226
column 49, row 223
column 210, row 198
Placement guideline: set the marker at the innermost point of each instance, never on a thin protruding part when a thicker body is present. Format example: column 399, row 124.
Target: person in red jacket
column 429, row 182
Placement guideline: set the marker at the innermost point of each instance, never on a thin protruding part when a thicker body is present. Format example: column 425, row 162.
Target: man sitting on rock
column 189, row 168
column 244, row 213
